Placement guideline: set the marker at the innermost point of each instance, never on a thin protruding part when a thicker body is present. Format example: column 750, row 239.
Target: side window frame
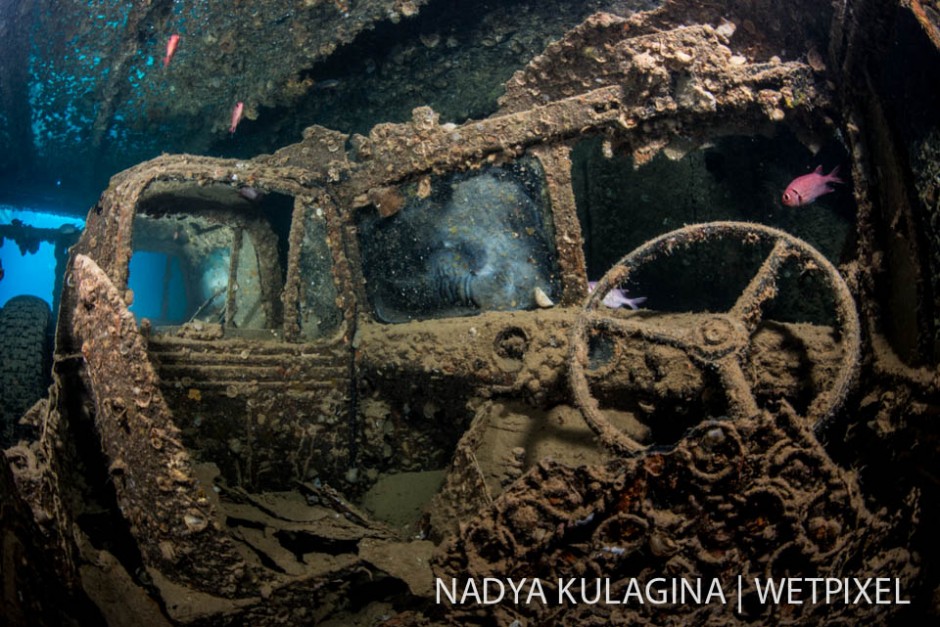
column 237, row 231
column 275, row 282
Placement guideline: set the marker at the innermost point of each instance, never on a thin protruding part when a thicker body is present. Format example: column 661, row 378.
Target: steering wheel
column 716, row 341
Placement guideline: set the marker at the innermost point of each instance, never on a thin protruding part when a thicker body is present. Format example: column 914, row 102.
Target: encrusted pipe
column 231, row 300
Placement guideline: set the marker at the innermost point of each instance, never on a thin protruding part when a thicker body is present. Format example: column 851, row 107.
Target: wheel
column 24, row 360
column 717, row 341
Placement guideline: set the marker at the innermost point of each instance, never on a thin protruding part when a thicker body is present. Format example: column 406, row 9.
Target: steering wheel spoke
column 762, row 288
column 632, row 327
column 741, row 400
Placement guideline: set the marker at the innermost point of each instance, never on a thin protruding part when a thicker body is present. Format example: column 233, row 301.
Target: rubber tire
column 25, row 356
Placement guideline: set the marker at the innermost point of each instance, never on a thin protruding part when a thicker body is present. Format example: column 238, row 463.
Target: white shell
column 541, row 298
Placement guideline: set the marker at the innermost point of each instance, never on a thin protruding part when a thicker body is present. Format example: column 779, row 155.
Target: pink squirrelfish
column 617, row 298
column 236, row 116
column 171, row 49
column 805, row 189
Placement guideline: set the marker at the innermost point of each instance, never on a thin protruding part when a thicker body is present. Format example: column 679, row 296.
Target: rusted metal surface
column 714, row 89
column 556, row 160
column 148, row 462
column 227, row 451
column 626, row 519
column 291, row 293
column 687, row 81
column 267, row 413
column 927, row 14
column 38, row 593
column 275, row 52
column 897, row 222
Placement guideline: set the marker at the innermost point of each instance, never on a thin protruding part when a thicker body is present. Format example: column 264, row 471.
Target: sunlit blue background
column 34, row 273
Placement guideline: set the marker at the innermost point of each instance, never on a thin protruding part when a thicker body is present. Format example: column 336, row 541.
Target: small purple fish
column 617, row 298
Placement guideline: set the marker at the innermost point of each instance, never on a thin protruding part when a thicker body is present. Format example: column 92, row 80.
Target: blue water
column 34, row 273
column 159, row 297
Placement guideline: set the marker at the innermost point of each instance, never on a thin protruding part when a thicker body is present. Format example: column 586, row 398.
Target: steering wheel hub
column 717, row 331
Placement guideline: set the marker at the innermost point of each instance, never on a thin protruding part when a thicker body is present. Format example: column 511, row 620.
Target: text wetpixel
column 848, row 590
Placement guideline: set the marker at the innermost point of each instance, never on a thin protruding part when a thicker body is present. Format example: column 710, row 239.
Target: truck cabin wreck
column 502, row 348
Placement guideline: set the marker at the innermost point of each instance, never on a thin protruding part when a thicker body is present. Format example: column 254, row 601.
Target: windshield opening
column 462, row 244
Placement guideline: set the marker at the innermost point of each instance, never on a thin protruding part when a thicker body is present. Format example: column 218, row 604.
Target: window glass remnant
column 249, row 310
column 319, row 314
column 466, row 243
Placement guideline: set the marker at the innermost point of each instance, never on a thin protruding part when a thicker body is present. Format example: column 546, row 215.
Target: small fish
column 249, row 193
column 617, row 298
column 805, row 189
column 171, row 49
column 325, row 85
column 236, row 116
